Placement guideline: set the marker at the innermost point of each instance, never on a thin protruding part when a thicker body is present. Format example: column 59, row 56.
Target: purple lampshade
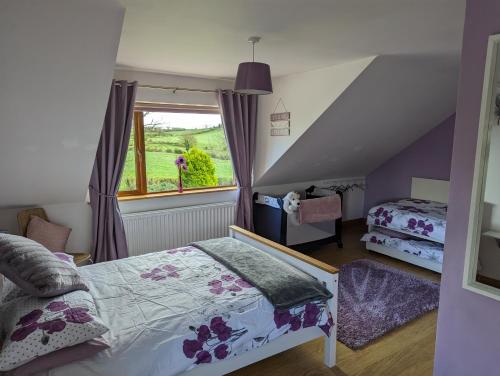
column 253, row 78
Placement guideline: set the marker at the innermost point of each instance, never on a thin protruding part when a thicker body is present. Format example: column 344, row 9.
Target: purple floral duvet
column 418, row 217
column 171, row 311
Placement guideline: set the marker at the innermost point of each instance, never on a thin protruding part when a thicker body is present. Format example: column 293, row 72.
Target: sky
column 182, row 120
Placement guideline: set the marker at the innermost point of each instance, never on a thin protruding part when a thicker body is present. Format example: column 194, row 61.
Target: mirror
column 482, row 263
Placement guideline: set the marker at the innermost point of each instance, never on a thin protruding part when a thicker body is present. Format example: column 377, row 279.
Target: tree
column 189, row 141
column 201, row 170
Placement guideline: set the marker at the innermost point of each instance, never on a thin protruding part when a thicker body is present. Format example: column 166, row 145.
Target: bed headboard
column 430, row 189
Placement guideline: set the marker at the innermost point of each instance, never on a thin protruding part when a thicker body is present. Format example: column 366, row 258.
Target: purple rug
column 375, row 298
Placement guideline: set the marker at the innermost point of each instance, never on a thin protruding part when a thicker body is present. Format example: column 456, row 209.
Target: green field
column 162, row 148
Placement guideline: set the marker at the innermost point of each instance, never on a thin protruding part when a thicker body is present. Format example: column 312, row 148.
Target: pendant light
column 253, row 77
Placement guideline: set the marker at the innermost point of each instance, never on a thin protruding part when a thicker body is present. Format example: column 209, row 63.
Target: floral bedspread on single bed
column 419, row 217
column 421, row 248
column 171, row 311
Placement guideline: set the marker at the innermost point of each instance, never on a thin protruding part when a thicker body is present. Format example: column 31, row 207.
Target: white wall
column 306, row 96
column 167, row 96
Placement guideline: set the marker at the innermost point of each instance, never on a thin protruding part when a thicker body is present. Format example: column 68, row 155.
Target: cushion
column 10, row 291
column 53, row 237
column 32, row 327
column 60, row 357
column 35, row 269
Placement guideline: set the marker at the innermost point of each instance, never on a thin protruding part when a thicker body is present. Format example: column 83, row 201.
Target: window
column 161, row 133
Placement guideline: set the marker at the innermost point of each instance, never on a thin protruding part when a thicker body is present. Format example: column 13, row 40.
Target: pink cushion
column 61, row 357
column 53, row 237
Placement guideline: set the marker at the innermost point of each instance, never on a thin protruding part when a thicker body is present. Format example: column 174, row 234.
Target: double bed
column 181, row 311
column 412, row 229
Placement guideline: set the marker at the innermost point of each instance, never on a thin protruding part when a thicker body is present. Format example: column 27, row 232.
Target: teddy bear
column 291, row 204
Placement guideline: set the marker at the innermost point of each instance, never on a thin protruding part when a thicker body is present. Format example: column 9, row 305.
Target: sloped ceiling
column 307, row 95
column 209, row 38
column 396, row 100
column 56, row 68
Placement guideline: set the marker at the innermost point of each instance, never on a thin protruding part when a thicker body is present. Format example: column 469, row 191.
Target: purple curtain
column 239, row 115
column 108, row 233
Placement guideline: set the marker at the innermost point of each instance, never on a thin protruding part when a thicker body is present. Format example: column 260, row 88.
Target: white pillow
column 32, row 327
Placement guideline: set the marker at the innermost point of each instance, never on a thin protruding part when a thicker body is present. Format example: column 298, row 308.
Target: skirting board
column 403, row 256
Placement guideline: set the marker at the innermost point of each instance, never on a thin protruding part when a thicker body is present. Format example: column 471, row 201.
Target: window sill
column 174, row 193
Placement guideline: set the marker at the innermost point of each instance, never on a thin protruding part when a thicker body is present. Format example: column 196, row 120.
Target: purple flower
column 180, row 160
column 173, row 275
column 412, row 222
column 326, row 327
column 215, row 283
column 191, row 346
column 242, row 283
column 234, row 288
column 388, row 219
column 23, row 332
column 310, row 315
column 146, row 275
column 77, row 315
column 420, row 223
column 217, row 290
column 281, row 318
column 221, row 351
column 373, row 239
column 295, row 323
column 429, row 227
column 30, row 318
column 52, row 326
column 156, row 270
column 377, row 221
column 219, row 327
column 227, row 277
column 379, row 211
column 57, row 306
column 158, row 277
column 203, row 333
column 203, row 357
column 169, row 268
column 385, row 213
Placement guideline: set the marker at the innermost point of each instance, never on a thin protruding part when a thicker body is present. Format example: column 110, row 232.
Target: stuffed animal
column 291, row 204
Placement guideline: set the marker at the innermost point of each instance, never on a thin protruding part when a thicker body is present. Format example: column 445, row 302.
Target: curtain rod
column 173, row 88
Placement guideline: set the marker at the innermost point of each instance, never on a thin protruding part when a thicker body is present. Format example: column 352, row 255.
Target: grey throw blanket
column 282, row 284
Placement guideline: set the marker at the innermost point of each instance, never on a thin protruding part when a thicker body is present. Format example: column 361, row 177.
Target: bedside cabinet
column 81, row 258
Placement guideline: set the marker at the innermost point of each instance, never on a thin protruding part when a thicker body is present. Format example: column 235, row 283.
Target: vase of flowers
column 181, row 164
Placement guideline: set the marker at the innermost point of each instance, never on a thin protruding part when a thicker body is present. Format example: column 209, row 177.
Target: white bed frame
column 325, row 273
column 424, row 189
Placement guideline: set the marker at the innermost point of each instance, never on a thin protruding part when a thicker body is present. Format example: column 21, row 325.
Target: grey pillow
column 35, row 269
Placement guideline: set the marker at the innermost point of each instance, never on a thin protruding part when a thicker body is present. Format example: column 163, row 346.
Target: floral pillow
column 32, row 327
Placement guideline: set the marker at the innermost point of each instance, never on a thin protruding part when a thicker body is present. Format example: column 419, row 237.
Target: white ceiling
column 208, row 38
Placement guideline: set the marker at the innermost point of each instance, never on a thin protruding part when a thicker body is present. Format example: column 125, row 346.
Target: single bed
column 420, row 222
column 182, row 312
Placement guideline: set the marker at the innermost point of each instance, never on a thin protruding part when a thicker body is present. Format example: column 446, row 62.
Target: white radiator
column 171, row 228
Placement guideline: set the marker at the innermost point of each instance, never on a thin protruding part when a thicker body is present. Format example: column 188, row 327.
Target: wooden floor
column 405, row 351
